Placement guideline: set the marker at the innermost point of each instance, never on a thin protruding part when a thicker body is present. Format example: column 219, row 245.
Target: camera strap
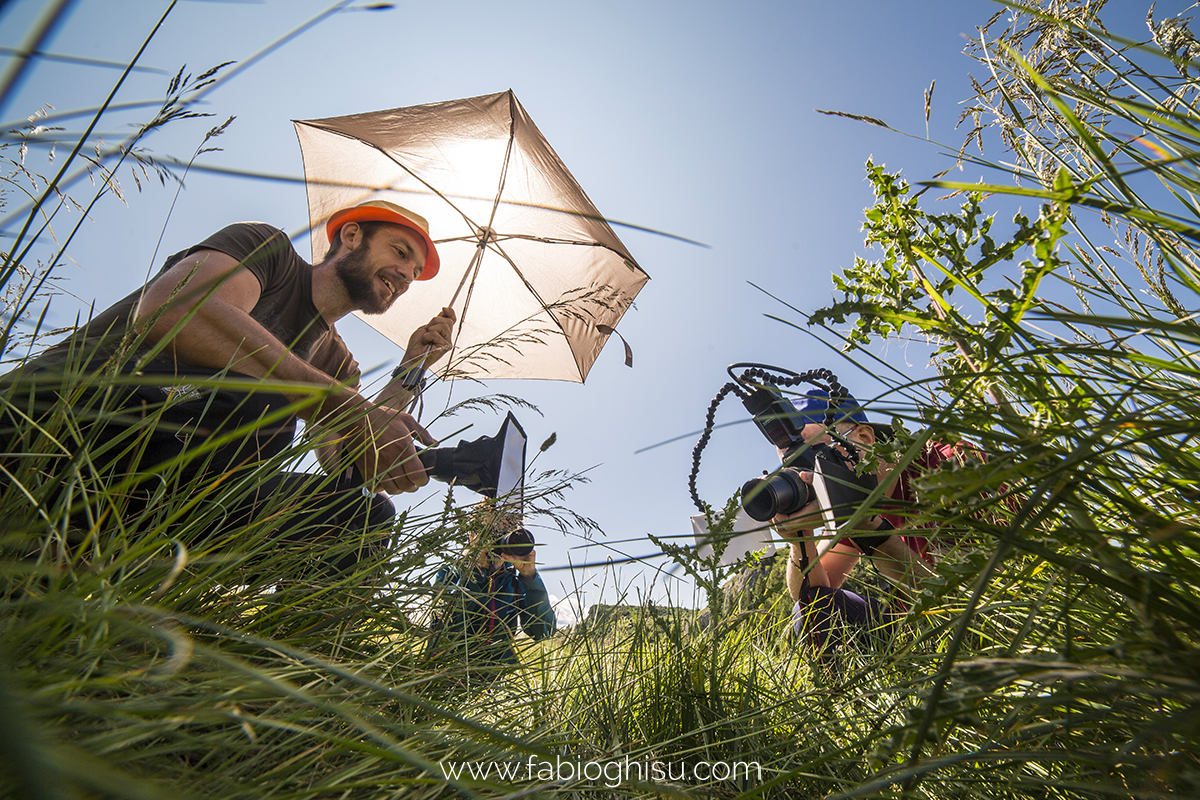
column 805, row 588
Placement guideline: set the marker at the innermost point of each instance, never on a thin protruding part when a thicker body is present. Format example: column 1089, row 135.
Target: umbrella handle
column 409, row 376
column 414, row 378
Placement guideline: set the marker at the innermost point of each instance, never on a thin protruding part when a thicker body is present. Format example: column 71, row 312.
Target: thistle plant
column 1069, row 362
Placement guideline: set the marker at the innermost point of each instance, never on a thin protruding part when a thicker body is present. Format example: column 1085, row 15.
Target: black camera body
column 493, row 466
column 774, row 415
column 514, row 543
column 835, row 484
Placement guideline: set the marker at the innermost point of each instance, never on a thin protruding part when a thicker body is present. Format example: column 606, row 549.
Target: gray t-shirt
column 285, row 307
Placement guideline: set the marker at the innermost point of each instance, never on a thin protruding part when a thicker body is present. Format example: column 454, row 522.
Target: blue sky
column 696, row 118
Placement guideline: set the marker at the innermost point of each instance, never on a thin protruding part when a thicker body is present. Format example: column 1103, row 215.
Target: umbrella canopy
column 536, row 275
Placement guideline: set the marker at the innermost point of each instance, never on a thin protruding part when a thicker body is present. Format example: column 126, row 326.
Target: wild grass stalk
column 1052, row 654
column 1062, row 666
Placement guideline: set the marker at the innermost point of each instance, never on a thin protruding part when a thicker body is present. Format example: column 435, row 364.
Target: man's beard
column 360, row 282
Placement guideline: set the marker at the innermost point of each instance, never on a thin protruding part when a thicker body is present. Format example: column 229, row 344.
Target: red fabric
column 931, row 458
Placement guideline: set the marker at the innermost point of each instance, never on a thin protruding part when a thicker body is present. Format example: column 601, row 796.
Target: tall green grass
column 1053, row 654
column 141, row 656
column 1065, row 348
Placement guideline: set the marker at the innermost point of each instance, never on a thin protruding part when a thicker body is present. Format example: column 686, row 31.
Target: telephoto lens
column 781, row 493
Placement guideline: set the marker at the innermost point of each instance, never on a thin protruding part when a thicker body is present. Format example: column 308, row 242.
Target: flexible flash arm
column 706, row 435
column 761, row 376
column 758, row 376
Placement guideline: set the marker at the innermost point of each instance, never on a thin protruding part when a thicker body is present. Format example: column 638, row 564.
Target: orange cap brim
column 377, row 214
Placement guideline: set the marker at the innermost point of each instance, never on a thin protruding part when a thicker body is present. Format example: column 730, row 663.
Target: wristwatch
column 414, row 377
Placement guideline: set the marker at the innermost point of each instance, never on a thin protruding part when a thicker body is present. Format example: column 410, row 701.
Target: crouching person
column 190, row 389
column 827, row 615
column 485, row 603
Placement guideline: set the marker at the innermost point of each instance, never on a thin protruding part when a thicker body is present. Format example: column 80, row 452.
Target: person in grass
column 242, row 306
column 825, row 614
column 498, row 592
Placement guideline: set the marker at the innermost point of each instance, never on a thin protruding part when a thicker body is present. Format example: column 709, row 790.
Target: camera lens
column 515, row 543
column 781, row 493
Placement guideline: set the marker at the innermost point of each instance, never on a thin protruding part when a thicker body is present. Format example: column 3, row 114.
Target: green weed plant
column 1053, row 653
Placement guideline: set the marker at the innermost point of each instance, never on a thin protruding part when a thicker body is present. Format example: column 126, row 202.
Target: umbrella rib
column 442, row 196
column 472, row 268
column 484, row 233
column 488, row 240
column 533, row 291
column 490, row 232
column 527, row 237
column 512, row 135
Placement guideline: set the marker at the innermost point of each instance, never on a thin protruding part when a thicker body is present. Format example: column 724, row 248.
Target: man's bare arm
column 426, row 346
column 221, row 333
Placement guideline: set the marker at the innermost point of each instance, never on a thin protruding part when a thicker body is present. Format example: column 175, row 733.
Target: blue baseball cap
column 813, row 405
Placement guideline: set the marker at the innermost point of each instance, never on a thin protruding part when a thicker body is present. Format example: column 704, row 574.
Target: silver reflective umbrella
column 537, row 276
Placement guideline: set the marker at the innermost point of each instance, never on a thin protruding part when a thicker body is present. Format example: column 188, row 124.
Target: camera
column 783, row 492
column 836, row 485
column 514, row 543
column 492, row 466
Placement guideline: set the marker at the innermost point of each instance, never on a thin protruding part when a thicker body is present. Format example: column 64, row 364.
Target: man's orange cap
column 383, row 211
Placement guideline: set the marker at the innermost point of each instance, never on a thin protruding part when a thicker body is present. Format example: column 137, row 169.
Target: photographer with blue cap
column 825, row 613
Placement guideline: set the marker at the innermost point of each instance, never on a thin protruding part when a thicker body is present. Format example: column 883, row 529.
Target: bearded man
column 235, row 310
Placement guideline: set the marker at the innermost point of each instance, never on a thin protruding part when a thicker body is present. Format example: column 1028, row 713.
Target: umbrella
column 535, row 273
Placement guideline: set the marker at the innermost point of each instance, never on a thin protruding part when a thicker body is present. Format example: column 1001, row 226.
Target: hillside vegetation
column 1053, row 655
